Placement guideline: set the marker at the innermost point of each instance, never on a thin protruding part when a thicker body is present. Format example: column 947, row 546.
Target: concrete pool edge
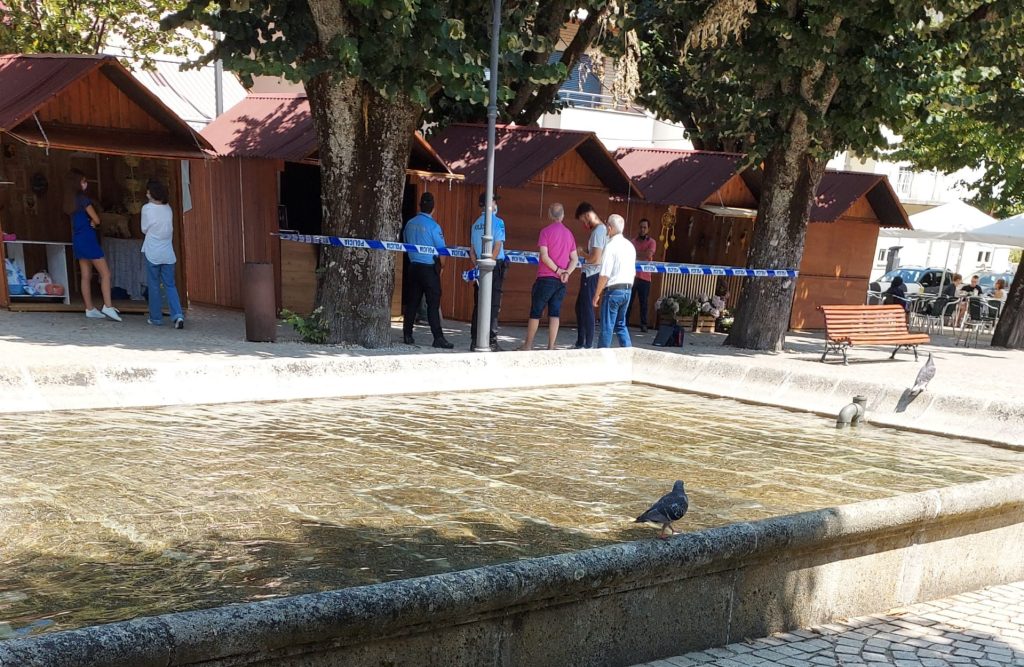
column 983, row 419
column 797, row 385
column 614, row 605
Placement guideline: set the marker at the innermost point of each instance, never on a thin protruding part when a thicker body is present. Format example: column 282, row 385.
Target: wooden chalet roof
column 79, row 102
column 279, row 126
column 522, row 153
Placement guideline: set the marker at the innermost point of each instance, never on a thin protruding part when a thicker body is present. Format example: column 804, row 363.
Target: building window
column 984, row 256
column 904, row 181
column 881, row 255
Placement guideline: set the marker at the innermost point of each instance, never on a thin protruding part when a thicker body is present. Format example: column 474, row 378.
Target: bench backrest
column 847, row 320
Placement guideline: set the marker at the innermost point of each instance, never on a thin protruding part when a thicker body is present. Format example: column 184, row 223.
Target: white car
column 917, row 279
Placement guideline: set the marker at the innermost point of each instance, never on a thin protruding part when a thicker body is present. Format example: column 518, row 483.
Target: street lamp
column 486, row 261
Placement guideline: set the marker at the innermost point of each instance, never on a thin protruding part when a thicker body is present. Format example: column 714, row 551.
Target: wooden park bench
column 846, row 326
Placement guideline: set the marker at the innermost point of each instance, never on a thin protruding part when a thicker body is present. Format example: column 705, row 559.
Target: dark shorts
column 547, row 292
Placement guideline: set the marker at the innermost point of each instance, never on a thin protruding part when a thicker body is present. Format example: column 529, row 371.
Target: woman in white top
column 158, row 226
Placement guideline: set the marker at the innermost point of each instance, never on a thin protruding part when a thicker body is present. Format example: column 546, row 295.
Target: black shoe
column 408, row 340
column 442, row 344
column 495, row 347
column 643, row 328
column 578, row 346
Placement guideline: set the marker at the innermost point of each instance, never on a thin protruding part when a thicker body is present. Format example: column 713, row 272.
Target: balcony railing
column 581, row 99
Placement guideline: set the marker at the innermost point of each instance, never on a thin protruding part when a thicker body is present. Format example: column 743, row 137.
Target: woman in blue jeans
column 158, row 226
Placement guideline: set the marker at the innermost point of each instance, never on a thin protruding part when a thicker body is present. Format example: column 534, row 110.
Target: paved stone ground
column 984, row 628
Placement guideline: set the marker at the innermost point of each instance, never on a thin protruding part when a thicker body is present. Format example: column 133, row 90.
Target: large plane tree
column 807, row 78
column 372, row 71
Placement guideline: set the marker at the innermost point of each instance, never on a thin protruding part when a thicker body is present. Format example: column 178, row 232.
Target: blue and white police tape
column 688, row 270
column 373, row 244
column 527, row 257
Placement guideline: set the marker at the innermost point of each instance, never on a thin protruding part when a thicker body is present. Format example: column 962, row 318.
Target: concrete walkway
column 984, row 628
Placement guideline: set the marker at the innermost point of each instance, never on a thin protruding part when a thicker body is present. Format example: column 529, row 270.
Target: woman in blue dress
column 86, row 245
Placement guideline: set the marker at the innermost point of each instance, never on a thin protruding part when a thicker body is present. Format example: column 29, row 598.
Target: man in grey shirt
column 598, row 237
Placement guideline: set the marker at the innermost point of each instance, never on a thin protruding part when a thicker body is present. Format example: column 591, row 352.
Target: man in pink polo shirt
column 558, row 259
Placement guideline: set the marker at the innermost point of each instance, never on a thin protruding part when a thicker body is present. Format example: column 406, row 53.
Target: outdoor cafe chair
column 940, row 310
column 920, row 307
column 874, row 298
column 982, row 315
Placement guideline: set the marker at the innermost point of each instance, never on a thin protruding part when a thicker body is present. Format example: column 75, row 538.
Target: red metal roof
column 279, row 126
column 839, row 190
column 275, row 126
column 30, row 81
column 678, row 178
column 689, row 178
column 522, row 153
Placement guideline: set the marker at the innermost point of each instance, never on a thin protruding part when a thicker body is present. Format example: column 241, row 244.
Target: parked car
column 987, row 280
column 917, row 279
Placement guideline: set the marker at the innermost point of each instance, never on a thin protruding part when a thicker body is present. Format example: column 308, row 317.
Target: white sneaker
column 112, row 313
column 179, row 323
column 94, row 314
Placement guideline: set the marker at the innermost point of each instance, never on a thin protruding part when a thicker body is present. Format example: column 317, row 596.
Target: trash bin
column 259, row 301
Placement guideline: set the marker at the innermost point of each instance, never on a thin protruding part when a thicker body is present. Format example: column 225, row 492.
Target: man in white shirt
column 615, row 283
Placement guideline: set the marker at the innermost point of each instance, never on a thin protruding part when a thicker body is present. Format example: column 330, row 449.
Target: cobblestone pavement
column 983, row 628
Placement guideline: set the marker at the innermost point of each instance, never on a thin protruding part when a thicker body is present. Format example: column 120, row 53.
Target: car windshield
column 908, row 275
column 988, row 281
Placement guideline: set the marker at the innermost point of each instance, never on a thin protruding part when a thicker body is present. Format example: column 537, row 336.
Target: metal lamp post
column 486, row 261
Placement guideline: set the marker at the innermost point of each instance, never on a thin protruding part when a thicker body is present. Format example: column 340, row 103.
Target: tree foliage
column 972, row 121
column 807, row 78
column 80, row 26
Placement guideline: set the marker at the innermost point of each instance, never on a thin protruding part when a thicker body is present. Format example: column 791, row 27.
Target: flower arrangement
column 713, row 306
column 675, row 307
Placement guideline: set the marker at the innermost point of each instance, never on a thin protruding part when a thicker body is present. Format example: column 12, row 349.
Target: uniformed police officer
column 424, row 278
column 497, row 276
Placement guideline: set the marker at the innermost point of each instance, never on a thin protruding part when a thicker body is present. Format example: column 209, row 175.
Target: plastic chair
column 981, row 315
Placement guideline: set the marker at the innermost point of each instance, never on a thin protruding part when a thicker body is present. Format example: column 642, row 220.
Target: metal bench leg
column 914, row 348
column 824, row 354
column 846, row 362
column 893, row 355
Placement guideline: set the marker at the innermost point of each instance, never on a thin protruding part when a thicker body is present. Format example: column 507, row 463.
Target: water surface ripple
column 109, row 515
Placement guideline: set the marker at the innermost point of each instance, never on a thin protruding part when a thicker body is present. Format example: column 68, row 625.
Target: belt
column 618, row 286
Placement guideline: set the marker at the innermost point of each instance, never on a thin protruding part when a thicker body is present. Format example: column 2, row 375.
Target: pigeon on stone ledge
column 925, row 376
column 671, row 507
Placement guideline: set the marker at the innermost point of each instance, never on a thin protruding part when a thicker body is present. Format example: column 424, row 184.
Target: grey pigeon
column 924, row 376
column 671, row 507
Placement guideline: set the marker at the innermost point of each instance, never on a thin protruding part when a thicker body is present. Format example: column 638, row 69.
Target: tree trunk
column 364, row 141
column 791, row 179
column 1010, row 330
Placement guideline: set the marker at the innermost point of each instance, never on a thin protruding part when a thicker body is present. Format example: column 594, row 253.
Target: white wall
column 620, row 128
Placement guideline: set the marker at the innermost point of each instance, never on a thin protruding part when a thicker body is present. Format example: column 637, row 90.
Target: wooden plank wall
column 835, row 268
column 233, row 216
column 836, row 262
column 94, row 101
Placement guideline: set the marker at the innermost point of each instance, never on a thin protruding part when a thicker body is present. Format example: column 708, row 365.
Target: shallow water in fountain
column 109, row 515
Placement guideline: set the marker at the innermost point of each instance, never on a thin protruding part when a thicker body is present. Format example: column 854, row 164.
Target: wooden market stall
column 267, row 178
column 64, row 112
column 534, row 168
column 711, row 207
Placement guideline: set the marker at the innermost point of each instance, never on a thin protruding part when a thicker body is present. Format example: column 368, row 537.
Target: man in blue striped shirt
column 424, row 278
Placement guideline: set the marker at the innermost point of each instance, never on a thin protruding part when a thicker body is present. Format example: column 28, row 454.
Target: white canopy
column 948, row 222
column 1005, row 232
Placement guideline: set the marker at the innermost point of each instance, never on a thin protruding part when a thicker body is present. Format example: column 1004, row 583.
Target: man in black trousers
column 424, row 279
